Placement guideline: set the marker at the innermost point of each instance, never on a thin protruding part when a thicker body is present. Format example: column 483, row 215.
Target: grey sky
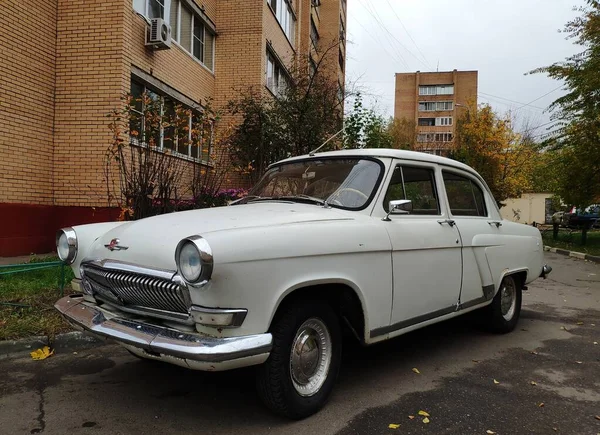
column 502, row 39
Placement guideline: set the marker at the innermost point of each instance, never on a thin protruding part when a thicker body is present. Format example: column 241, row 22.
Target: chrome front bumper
column 186, row 349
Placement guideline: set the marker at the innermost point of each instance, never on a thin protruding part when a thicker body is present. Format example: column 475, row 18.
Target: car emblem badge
column 114, row 246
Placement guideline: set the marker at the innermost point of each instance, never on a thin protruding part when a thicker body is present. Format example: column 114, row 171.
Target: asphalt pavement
column 543, row 378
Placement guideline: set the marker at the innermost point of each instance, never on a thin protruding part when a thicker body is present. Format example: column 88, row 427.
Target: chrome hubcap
column 310, row 357
column 508, row 299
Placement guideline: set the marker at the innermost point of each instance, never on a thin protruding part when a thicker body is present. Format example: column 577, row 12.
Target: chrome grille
column 135, row 290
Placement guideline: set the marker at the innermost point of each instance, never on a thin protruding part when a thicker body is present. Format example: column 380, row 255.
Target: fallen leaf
column 393, row 426
column 411, row 416
column 595, row 342
column 579, row 362
column 490, row 432
column 496, row 382
column 425, row 420
column 416, row 370
column 593, row 324
column 42, row 353
column 564, row 329
column 475, row 360
column 580, row 323
column 597, row 417
column 423, row 413
column 555, row 429
column 533, row 383
column 534, row 352
column 541, row 405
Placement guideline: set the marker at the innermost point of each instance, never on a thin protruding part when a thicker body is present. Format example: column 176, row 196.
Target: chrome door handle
column 446, row 221
column 497, row 223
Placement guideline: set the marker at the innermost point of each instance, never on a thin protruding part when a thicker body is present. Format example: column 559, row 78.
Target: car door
column 485, row 254
column 426, row 258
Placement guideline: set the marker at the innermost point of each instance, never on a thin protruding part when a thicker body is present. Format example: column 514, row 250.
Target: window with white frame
column 444, row 120
column 152, row 8
column 190, row 31
column 434, row 137
column 436, row 90
column 277, row 77
column 285, row 15
column 443, row 137
column 432, row 106
column 181, row 130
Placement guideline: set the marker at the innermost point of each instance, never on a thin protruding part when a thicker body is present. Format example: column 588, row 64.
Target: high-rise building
column 66, row 64
column 433, row 101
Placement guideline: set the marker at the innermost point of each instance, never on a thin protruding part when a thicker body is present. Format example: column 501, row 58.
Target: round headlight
column 194, row 260
column 66, row 245
column 189, row 262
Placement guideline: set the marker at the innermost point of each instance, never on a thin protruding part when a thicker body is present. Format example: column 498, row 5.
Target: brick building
column 65, row 64
column 433, row 100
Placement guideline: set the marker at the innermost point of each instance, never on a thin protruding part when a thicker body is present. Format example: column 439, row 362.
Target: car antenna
column 312, row 153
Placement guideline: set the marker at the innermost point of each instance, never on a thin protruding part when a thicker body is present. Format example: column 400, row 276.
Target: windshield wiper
column 305, row 198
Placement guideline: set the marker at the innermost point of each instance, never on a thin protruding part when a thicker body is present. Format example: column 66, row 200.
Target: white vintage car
column 381, row 242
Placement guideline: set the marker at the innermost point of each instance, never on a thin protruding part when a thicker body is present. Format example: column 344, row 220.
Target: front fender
column 86, row 236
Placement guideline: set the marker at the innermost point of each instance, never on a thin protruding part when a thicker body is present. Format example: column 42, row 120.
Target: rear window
column 465, row 197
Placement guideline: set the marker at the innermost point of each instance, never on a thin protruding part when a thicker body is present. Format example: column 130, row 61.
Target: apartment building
column 65, row 64
column 433, row 101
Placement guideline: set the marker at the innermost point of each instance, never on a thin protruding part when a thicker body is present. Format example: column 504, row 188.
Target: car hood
column 152, row 241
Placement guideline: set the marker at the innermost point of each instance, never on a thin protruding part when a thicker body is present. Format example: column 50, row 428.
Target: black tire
column 274, row 380
column 497, row 321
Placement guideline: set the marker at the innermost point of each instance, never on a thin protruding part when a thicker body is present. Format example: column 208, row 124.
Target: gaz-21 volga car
column 380, row 242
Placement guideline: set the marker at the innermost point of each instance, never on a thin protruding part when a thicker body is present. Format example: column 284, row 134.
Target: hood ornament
column 114, row 246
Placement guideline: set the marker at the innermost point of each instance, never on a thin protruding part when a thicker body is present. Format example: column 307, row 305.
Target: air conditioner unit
column 159, row 34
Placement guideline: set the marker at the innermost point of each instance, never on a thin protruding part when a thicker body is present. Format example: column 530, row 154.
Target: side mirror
column 401, row 206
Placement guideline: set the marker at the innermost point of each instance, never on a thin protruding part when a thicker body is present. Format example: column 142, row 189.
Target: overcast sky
column 502, row 39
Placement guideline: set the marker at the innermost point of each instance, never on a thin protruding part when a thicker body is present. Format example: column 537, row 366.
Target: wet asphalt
column 543, row 378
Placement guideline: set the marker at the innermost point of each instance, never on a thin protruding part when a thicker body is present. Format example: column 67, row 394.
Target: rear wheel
column 300, row 373
column 503, row 314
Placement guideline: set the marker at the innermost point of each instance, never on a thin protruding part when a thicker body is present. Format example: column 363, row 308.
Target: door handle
column 497, row 223
column 446, row 221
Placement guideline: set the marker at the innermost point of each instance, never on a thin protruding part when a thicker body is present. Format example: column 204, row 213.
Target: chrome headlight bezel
column 205, row 256
column 71, row 236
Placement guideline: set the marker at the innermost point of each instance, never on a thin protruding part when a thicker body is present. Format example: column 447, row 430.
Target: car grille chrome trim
column 144, row 291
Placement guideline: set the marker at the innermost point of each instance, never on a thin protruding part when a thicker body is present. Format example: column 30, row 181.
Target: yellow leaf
column 423, row 413
column 533, row 383
column 42, row 353
column 490, row 432
column 579, row 362
column 393, row 426
column 411, row 416
column 416, row 370
column 425, row 420
column 496, row 382
column 580, row 323
column 541, row 405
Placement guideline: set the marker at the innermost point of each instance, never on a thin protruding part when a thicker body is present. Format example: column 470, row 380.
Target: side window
column 465, row 197
column 416, row 184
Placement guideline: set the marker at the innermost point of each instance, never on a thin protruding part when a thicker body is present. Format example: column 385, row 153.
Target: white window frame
column 280, row 77
column 285, row 16
column 438, row 106
column 146, row 8
column 443, row 121
column 436, row 89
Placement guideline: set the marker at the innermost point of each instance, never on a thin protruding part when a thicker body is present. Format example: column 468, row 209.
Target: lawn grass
column 27, row 301
column 571, row 241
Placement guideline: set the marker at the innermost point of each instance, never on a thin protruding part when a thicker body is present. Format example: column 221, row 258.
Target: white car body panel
column 401, row 270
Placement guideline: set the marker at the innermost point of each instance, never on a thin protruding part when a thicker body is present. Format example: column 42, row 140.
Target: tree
column 487, row 143
column 578, row 111
column 302, row 113
column 364, row 128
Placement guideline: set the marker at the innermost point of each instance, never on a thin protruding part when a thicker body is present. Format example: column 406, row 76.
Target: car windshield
column 344, row 183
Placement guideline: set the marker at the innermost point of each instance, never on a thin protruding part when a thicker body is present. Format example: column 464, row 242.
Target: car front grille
column 136, row 291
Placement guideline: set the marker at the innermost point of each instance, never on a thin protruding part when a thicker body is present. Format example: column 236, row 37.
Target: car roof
column 387, row 153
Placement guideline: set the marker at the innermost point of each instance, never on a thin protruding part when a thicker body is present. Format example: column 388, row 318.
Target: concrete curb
column 573, row 254
column 61, row 343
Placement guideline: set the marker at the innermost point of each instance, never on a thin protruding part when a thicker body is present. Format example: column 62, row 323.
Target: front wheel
column 300, row 373
column 503, row 314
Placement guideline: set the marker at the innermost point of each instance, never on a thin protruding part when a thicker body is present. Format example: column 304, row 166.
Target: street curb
column 61, row 343
column 573, row 254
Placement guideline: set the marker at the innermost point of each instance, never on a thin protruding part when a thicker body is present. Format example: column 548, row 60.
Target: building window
column 340, row 92
column 285, row 15
column 427, row 122
column 191, row 32
column 341, row 59
column 344, row 6
column 316, row 4
column 342, row 31
column 436, row 90
column 445, row 120
column 277, row 77
column 312, row 66
column 181, row 130
column 432, row 106
column 152, row 8
column 425, row 137
column 314, row 33
column 443, row 137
